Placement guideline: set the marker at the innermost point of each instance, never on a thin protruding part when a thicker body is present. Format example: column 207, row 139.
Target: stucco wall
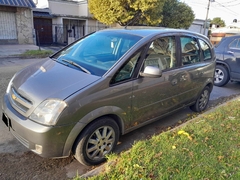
column 69, row 8
column 24, row 23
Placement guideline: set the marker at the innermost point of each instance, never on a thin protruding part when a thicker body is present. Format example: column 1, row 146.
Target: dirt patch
column 31, row 166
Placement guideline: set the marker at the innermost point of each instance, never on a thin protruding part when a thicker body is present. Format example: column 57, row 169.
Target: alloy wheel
column 100, row 143
column 219, row 76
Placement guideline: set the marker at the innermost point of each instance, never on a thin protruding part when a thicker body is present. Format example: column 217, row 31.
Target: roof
column 145, row 31
column 43, row 13
column 18, row 3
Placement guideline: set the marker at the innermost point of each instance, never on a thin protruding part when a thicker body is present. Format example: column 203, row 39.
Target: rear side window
column 190, row 50
column 206, row 50
column 235, row 44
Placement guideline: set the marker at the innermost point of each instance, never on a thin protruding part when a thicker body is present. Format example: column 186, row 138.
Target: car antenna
column 134, row 19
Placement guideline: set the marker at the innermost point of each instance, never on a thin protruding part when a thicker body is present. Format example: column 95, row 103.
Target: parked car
column 228, row 60
column 81, row 99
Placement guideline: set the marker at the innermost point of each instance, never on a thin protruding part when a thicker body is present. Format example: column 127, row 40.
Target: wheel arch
column 221, row 63
column 86, row 121
column 210, row 85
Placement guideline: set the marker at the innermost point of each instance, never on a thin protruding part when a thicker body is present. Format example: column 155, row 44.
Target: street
column 69, row 167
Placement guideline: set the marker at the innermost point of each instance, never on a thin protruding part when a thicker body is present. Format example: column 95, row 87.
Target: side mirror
column 151, row 71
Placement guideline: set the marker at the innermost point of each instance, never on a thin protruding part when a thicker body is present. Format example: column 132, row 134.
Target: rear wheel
column 221, row 77
column 97, row 140
column 202, row 100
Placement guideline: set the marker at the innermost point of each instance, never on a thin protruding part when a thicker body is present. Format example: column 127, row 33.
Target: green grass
column 206, row 148
column 36, row 54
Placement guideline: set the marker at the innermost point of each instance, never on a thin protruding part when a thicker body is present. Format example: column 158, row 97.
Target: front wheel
column 97, row 140
column 202, row 101
column 221, row 77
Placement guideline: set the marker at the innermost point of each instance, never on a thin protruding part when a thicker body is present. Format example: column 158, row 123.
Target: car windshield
column 97, row 53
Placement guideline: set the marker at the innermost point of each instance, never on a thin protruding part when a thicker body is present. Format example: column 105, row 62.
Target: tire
column 221, row 77
column 202, row 101
column 98, row 139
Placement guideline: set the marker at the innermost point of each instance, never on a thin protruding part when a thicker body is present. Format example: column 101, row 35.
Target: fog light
column 38, row 149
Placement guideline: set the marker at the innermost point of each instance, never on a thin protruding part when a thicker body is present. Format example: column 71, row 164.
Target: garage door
column 8, row 25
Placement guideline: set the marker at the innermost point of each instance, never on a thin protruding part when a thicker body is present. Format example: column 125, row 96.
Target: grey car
column 228, row 60
column 81, row 99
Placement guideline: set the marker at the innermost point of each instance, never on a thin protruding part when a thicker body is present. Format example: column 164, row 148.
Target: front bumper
column 46, row 141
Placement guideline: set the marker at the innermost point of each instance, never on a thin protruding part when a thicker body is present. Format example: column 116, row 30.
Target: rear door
column 196, row 65
column 232, row 56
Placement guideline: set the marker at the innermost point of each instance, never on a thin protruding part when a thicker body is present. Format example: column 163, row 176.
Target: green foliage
column 36, row 54
column 125, row 12
column 205, row 148
column 177, row 14
column 167, row 13
column 218, row 21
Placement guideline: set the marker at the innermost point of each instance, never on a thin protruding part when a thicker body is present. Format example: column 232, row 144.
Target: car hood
column 50, row 79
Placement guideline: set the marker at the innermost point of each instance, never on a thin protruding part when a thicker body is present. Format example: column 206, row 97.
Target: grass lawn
column 206, row 148
column 36, row 54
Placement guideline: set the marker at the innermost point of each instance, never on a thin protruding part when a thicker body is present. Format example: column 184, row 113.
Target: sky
column 227, row 10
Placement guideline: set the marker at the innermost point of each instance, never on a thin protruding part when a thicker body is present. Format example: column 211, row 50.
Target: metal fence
column 63, row 34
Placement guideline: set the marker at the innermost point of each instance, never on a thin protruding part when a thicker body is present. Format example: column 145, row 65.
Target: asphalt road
column 8, row 144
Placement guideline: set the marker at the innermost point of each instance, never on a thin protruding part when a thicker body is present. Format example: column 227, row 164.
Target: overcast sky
column 227, row 10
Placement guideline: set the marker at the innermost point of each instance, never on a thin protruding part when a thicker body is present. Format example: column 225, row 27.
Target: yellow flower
column 174, row 147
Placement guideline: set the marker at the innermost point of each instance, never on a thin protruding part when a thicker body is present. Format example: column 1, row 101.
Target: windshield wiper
column 77, row 65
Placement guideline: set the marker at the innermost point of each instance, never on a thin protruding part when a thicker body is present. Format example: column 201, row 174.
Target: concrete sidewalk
column 15, row 49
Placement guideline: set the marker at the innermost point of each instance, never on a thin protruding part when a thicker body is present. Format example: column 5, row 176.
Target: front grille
column 18, row 102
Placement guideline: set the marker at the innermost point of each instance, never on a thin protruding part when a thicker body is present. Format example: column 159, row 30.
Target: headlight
column 48, row 111
column 10, row 84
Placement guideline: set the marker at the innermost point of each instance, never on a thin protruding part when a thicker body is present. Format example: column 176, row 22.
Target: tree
column 124, row 12
column 218, row 22
column 177, row 15
column 167, row 13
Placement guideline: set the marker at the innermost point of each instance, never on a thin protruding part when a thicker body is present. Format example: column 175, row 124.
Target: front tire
column 221, row 77
column 202, row 100
column 97, row 140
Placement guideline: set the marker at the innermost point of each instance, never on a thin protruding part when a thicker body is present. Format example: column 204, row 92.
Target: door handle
column 230, row 52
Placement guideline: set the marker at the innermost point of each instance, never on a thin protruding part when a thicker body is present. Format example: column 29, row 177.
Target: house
column 229, row 30
column 198, row 26
column 64, row 21
column 16, row 22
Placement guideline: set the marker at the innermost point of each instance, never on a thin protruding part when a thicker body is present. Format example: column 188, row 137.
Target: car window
column 127, row 70
column 190, row 50
column 205, row 49
column 235, row 44
column 162, row 53
column 98, row 52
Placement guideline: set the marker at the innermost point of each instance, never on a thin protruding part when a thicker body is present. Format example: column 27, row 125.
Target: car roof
column 233, row 36
column 145, row 31
column 224, row 40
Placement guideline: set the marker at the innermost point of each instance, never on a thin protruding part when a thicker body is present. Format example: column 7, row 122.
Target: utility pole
column 205, row 23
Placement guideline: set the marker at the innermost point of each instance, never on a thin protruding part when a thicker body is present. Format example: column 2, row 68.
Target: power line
column 231, row 11
column 230, row 5
column 228, row 2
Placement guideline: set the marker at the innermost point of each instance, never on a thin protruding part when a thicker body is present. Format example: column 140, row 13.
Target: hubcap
column 203, row 99
column 100, row 143
column 219, row 75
